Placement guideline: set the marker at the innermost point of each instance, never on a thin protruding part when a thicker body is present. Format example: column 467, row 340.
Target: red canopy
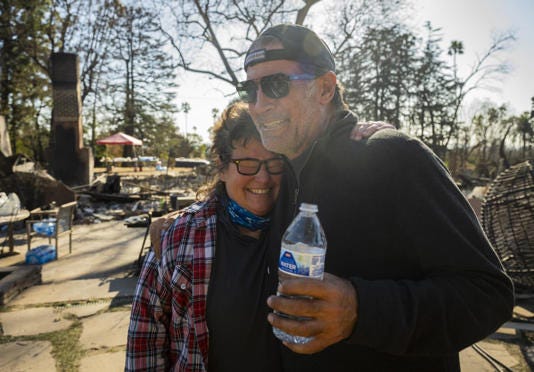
column 120, row 139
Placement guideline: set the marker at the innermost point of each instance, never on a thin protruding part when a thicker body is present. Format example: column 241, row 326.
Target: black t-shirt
column 240, row 337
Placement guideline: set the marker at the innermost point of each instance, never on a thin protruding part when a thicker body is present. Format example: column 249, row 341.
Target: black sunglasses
column 273, row 86
column 251, row 166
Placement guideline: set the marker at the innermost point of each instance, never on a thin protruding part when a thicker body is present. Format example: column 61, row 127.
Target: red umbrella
column 120, row 139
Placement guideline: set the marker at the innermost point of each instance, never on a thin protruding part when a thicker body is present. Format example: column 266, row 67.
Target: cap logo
column 263, row 55
column 255, row 56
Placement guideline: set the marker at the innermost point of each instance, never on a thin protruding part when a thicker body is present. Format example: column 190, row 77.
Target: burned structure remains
column 508, row 219
column 69, row 161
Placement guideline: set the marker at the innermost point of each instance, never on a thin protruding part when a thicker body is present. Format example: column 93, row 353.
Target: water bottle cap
column 305, row 207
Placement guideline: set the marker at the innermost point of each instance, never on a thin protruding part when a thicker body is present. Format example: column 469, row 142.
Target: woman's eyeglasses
column 273, row 86
column 251, row 166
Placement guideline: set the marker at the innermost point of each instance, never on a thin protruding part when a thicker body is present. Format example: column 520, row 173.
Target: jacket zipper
column 296, row 178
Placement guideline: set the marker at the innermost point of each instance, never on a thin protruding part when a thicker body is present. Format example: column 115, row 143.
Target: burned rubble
column 108, row 197
column 70, row 174
column 122, row 197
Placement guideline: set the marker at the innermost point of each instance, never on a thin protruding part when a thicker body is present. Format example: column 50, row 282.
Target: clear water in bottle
column 302, row 255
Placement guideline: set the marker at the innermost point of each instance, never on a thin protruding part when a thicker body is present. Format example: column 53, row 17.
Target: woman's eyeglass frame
column 277, row 168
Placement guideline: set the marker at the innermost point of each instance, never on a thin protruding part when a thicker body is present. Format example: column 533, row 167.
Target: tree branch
column 303, row 12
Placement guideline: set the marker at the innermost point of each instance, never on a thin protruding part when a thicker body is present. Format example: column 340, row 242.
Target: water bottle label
column 302, row 260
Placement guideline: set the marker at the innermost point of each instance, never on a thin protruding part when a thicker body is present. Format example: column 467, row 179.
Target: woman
column 173, row 308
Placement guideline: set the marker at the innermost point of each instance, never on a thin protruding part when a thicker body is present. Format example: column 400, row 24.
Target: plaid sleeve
column 179, row 271
column 148, row 342
column 168, row 328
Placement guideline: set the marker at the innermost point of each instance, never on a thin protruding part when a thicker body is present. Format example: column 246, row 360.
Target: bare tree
column 211, row 37
column 486, row 69
column 141, row 74
column 84, row 27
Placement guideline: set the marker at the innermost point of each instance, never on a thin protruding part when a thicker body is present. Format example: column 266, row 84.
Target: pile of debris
column 115, row 197
column 34, row 186
column 109, row 196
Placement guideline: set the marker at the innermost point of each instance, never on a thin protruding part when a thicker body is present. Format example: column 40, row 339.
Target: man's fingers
column 312, row 347
column 356, row 133
column 368, row 128
column 303, row 328
column 296, row 306
column 156, row 230
column 318, row 289
column 303, row 287
column 330, row 309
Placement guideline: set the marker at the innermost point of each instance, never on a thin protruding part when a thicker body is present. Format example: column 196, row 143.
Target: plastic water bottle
column 45, row 227
column 38, row 227
column 302, row 255
column 50, row 229
column 41, row 254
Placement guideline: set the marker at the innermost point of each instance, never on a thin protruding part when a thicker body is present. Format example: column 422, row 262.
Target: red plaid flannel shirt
column 168, row 328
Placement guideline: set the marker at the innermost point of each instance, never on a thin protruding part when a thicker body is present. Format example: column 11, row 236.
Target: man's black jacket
column 428, row 281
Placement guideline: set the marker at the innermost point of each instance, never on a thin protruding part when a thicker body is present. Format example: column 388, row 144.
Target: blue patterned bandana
column 242, row 217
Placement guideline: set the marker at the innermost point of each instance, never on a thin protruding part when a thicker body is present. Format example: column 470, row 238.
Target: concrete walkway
column 83, row 304
column 77, row 319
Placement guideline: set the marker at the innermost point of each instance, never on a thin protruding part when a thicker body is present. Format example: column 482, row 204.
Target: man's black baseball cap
column 300, row 44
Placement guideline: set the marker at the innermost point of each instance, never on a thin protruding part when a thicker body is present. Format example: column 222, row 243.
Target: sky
column 471, row 21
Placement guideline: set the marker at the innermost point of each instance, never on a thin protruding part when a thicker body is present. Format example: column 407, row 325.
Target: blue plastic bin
column 40, row 255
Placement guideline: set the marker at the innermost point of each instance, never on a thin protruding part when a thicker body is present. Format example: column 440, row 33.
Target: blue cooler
column 40, row 255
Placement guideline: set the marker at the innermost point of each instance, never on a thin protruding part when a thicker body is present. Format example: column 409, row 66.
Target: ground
column 77, row 318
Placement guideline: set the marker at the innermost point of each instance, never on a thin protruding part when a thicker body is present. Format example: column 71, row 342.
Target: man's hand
column 366, row 129
column 332, row 311
column 157, row 228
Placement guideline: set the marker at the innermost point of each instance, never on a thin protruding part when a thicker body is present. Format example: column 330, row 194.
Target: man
column 410, row 277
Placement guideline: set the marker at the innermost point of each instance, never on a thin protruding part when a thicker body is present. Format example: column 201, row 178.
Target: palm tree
column 186, row 107
column 456, row 48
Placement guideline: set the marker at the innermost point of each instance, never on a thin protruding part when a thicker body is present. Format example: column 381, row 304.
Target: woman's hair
column 234, row 127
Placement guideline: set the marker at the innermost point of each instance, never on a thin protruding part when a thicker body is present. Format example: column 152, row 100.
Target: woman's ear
column 222, row 170
column 328, row 83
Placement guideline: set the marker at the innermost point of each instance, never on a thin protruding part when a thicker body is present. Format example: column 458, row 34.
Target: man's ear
column 327, row 85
